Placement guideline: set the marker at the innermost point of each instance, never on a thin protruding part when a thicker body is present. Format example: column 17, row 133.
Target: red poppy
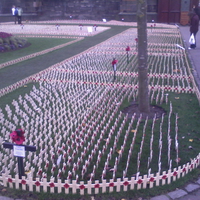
column 140, row 181
column 23, row 182
column 111, row 185
column 37, row 183
column 152, row 179
column 40, row 172
column 175, row 174
column 51, row 185
column 66, row 186
column 82, row 187
column 126, row 183
column 96, row 186
column 10, row 180
column 164, row 176
column 17, row 136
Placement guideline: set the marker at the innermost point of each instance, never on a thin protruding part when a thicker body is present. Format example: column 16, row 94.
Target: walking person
column 20, row 11
column 127, row 53
column 114, row 65
column 81, row 26
column 95, row 27
column 15, row 13
column 194, row 25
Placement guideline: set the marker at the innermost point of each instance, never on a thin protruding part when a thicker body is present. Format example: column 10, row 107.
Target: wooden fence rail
column 96, row 186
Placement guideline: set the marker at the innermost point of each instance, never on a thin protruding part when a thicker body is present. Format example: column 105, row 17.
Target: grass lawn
column 36, row 45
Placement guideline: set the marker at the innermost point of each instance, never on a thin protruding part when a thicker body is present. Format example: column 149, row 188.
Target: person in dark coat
column 194, row 25
column 20, row 11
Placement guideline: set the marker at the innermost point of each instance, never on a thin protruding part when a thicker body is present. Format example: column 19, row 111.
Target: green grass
column 188, row 110
column 7, row 99
column 36, row 45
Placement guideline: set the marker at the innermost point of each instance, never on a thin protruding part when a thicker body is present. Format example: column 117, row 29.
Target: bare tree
column 143, row 92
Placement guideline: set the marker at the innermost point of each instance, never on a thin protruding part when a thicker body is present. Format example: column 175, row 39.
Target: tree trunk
column 143, row 92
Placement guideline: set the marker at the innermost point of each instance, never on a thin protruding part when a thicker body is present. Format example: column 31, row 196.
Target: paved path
column 194, row 54
column 192, row 190
column 189, row 192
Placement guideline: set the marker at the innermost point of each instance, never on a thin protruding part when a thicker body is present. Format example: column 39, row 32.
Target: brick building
column 164, row 11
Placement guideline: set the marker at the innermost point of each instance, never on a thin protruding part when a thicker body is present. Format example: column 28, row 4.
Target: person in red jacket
column 194, row 25
column 114, row 65
column 128, row 49
column 127, row 53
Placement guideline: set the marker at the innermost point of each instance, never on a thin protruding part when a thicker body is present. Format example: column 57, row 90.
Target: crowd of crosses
column 73, row 112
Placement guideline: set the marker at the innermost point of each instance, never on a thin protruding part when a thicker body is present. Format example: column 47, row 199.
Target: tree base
column 134, row 109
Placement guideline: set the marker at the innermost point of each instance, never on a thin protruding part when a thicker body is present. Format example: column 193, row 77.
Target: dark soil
column 134, row 109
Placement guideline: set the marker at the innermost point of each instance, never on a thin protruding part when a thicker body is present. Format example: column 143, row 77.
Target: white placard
column 89, row 29
column 19, row 151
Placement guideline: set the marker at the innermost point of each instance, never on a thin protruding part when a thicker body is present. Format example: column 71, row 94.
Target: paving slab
column 177, row 194
column 189, row 197
column 5, row 198
column 161, row 197
column 191, row 187
column 197, row 193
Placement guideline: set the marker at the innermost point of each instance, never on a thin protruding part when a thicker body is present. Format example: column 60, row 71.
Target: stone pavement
column 7, row 198
column 189, row 192
column 192, row 190
column 193, row 54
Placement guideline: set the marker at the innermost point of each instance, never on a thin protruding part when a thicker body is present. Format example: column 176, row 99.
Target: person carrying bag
column 192, row 41
column 194, row 28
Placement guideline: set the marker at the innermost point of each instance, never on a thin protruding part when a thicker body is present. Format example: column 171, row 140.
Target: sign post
column 19, row 149
column 19, row 152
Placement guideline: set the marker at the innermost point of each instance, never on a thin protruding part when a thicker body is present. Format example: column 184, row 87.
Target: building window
column 152, row 8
